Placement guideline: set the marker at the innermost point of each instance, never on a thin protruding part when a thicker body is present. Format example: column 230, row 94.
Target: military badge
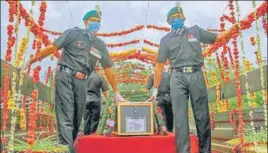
column 191, row 37
column 79, row 43
column 96, row 53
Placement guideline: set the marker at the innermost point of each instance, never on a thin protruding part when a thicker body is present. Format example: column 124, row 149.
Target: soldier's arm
column 104, row 85
column 161, row 60
column 44, row 53
column 207, row 37
column 227, row 35
column 56, row 45
column 107, row 63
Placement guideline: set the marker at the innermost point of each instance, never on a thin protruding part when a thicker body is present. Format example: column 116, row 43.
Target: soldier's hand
column 153, row 97
column 118, row 98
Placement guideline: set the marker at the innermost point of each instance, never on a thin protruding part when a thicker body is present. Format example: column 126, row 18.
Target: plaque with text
column 136, row 124
column 135, row 118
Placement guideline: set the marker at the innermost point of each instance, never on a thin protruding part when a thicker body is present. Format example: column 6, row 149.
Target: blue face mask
column 177, row 24
column 94, row 27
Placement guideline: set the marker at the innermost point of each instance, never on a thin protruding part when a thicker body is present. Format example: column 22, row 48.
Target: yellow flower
column 254, row 104
column 11, row 103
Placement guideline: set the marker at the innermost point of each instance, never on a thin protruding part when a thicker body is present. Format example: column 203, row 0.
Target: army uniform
column 182, row 47
column 93, row 105
column 164, row 99
column 75, row 68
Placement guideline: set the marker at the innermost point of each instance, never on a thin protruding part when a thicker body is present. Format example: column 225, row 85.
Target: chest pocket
column 174, row 44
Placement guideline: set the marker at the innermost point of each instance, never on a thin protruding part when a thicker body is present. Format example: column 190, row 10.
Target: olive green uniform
column 183, row 49
column 93, row 105
column 70, row 91
column 164, row 99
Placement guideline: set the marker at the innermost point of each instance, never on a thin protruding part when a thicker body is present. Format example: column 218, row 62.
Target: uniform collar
column 89, row 34
column 178, row 32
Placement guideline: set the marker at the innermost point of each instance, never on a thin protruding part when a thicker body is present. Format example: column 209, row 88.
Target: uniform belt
column 76, row 74
column 187, row 69
column 163, row 94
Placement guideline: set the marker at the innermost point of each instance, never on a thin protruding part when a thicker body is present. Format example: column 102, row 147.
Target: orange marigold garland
column 121, row 33
column 245, row 65
column 32, row 112
column 43, row 8
column 260, row 63
column 151, row 43
column 245, row 24
column 123, row 44
column 238, row 92
column 220, row 67
column 12, row 99
column 166, row 29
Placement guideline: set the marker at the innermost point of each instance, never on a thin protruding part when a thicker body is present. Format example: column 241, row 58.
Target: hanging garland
column 259, row 61
column 247, row 67
column 13, row 92
column 8, row 57
column 264, row 25
column 33, row 108
column 123, row 44
column 245, row 24
column 166, row 29
column 151, row 43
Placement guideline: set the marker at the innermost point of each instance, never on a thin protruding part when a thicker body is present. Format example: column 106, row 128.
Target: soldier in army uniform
column 182, row 47
column 96, row 83
column 74, row 70
column 163, row 98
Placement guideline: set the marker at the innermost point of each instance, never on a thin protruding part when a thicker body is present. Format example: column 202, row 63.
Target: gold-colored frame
column 136, row 104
